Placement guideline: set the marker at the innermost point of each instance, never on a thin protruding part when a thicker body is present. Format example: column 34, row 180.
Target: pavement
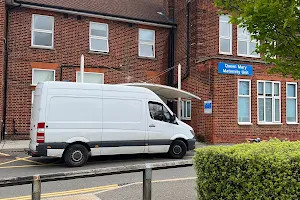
column 14, row 145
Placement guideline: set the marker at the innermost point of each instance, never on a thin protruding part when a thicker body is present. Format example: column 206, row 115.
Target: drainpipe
column 187, row 72
column 8, row 9
column 171, row 56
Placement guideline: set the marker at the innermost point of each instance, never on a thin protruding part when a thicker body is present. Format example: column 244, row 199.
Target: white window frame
column 147, row 43
column 78, row 72
column 98, row 37
column 38, row 69
column 224, row 37
column 248, row 96
column 184, row 111
column 42, row 31
column 273, row 102
column 247, row 40
column 296, row 97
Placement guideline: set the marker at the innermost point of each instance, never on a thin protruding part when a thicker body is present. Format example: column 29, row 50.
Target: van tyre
column 76, row 155
column 177, row 149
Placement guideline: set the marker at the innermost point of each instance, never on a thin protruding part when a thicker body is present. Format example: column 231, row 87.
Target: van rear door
column 35, row 115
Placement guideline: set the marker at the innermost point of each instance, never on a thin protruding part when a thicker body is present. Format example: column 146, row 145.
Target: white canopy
column 164, row 91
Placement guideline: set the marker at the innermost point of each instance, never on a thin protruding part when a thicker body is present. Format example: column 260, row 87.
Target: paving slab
column 175, row 190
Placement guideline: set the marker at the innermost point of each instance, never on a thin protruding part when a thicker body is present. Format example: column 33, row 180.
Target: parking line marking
column 66, row 193
column 4, row 154
column 11, row 161
column 32, row 161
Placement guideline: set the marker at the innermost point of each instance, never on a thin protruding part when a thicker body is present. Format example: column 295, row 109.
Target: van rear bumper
column 191, row 144
column 41, row 150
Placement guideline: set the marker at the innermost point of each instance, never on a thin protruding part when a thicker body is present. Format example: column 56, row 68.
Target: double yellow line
column 66, row 193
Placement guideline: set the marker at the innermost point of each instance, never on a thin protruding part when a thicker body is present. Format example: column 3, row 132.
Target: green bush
column 266, row 170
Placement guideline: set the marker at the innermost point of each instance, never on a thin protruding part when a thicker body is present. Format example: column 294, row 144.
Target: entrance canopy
column 166, row 92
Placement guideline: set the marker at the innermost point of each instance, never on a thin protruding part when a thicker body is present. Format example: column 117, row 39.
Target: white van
column 77, row 120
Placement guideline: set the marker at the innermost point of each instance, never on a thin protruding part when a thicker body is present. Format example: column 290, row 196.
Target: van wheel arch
column 81, row 143
column 182, row 139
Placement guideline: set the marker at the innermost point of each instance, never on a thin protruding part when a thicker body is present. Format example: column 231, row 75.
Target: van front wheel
column 177, row 149
column 76, row 156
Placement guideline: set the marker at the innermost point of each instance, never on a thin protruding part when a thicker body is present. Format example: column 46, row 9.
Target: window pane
column 224, row 18
column 225, row 45
column 156, row 111
column 225, row 29
column 276, row 89
column 260, row 88
column 244, row 88
column 42, row 76
column 90, row 78
column 42, row 39
column 99, row 45
column 277, row 110
column 146, row 35
column 261, row 110
column 268, row 89
column 242, row 47
column 98, row 29
column 167, row 115
column 188, row 109
column 242, row 33
column 43, row 22
column 252, row 48
column 146, row 50
column 291, row 90
column 291, row 110
column 268, row 110
column 243, row 109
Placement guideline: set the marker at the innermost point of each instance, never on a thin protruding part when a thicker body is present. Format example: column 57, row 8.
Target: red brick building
column 138, row 40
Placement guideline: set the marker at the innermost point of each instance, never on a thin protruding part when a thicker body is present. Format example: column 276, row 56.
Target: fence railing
column 146, row 168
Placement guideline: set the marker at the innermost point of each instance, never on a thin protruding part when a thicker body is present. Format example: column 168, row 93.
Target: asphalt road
column 19, row 164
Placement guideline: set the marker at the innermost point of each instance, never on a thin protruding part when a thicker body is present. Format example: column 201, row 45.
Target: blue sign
column 208, row 107
column 236, row 69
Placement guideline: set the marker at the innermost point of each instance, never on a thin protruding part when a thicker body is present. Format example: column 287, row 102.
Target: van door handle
column 151, row 125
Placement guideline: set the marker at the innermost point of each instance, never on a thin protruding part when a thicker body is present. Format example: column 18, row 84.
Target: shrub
column 266, row 170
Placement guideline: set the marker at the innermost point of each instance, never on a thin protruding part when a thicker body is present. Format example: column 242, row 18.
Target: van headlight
column 192, row 131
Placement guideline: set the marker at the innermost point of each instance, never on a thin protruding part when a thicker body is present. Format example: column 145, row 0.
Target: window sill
column 227, row 54
column 292, row 123
column 245, row 123
column 186, row 119
column 41, row 47
column 99, row 52
column 269, row 123
column 147, row 58
column 248, row 56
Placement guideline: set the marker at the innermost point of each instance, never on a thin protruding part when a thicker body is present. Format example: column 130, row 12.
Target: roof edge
column 89, row 13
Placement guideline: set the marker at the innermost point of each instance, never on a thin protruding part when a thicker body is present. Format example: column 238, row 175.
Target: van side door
column 124, row 126
column 160, row 129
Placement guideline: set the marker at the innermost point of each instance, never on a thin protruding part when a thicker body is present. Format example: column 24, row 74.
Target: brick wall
column 2, row 53
column 71, row 39
column 204, row 80
column 225, row 108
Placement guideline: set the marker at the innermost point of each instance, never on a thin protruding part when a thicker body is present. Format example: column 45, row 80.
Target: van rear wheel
column 76, row 155
column 177, row 149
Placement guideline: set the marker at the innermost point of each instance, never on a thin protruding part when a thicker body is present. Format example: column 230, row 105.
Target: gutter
column 89, row 13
